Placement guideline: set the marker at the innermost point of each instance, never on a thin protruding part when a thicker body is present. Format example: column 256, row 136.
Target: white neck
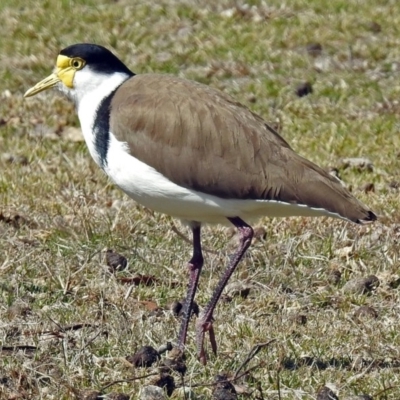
column 89, row 91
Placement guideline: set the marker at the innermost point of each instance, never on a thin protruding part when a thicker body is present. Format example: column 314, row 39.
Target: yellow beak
column 45, row 84
column 64, row 73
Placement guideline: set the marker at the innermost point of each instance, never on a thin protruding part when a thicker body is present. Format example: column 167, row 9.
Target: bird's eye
column 77, row 63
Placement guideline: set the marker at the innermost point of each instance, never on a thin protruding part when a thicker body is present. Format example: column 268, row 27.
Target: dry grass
column 58, row 212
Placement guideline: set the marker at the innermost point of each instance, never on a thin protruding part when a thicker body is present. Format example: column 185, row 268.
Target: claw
column 212, row 339
column 202, row 327
column 203, row 356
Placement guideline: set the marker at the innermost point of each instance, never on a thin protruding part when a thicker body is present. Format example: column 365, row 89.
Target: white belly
column 151, row 189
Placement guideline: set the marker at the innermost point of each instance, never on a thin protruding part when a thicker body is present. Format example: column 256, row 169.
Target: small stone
column 224, row 390
column 144, row 358
column 361, row 285
column 304, row 89
column 165, row 382
column 115, row 261
column 365, row 312
column 314, row 49
column 152, row 393
column 326, row 393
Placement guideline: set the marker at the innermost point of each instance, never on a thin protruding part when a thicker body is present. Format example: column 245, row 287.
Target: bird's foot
column 203, row 326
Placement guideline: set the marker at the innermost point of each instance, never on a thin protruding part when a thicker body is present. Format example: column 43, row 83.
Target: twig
column 253, row 352
column 24, row 347
column 375, row 395
column 235, row 378
column 55, row 323
column 127, row 380
column 90, row 341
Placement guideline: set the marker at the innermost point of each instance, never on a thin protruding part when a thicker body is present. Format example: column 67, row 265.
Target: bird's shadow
column 340, row 363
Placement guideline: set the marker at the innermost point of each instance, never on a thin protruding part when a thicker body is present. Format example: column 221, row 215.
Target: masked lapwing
column 190, row 151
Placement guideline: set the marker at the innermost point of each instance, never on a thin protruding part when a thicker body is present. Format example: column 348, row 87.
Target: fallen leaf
column 149, row 305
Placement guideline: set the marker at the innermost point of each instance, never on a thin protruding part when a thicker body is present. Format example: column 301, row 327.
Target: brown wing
column 202, row 139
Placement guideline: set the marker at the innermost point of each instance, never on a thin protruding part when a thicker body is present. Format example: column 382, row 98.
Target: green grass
column 58, row 212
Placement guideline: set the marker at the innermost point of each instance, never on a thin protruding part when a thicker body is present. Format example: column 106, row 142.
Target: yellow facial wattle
column 64, row 72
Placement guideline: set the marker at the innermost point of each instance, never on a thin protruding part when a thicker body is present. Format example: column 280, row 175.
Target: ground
column 67, row 322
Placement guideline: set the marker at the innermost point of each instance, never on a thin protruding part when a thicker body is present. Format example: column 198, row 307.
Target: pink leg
column 204, row 322
column 195, row 265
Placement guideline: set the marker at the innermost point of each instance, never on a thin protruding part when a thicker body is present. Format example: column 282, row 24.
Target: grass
column 58, row 212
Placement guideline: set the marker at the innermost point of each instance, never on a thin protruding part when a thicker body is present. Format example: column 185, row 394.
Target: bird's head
column 81, row 68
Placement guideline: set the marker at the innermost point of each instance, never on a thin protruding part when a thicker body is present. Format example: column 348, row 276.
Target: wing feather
column 201, row 139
